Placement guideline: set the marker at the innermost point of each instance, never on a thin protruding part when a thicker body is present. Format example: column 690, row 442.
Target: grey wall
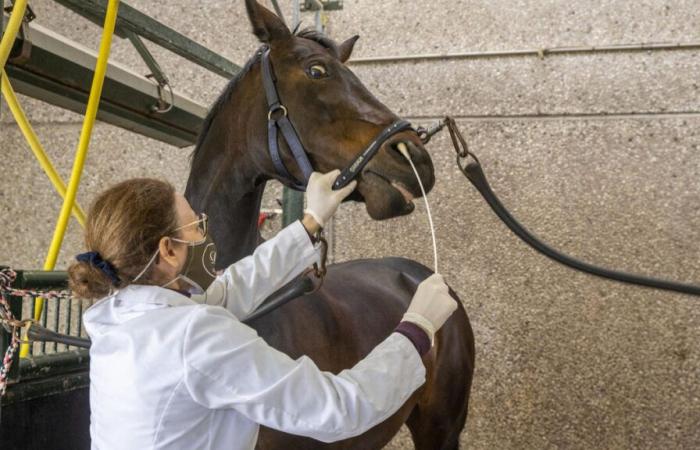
column 596, row 153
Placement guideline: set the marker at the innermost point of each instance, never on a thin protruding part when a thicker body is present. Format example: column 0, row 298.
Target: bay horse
column 361, row 301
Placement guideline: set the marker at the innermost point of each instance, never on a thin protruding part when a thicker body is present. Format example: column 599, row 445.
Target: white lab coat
column 168, row 372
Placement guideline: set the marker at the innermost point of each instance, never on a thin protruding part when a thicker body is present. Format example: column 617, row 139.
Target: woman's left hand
column 321, row 200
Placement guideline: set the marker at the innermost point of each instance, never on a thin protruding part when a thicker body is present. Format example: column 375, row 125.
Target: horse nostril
column 410, row 149
column 401, row 148
column 404, row 150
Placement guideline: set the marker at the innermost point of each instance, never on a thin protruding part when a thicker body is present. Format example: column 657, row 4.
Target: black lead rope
column 475, row 174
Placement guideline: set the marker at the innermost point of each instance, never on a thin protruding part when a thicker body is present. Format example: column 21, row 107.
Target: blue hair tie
column 95, row 260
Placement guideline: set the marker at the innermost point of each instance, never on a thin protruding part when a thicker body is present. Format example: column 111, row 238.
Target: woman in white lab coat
column 171, row 364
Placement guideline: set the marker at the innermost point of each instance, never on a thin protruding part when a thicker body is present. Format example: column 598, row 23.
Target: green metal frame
column 328, row 5
column 132, row 20
column 292, row 206
column 148, row 58
column 59, row 71
column 45, row 374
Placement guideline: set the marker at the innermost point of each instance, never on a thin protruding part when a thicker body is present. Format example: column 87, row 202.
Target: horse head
column 336, row 117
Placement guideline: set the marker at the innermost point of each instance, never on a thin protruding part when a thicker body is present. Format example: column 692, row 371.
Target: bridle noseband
column 278, row 120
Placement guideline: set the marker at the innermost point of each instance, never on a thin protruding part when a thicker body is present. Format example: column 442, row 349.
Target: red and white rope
column 7, row 276
column 10, row 323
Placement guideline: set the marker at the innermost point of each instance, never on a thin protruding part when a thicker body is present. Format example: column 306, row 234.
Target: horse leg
column 441, row 413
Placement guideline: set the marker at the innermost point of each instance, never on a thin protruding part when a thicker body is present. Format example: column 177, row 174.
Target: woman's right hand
column 431, row 305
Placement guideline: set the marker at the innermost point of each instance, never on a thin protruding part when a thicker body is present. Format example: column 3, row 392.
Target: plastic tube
column 35, row 145
column 404, row 151
column 13, row 26
column 81, row 152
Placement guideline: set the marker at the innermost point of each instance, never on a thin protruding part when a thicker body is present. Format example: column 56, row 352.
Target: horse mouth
column 403, row 190
column 383, row 197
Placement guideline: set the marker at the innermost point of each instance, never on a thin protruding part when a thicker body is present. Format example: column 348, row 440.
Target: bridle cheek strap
column 277, row 119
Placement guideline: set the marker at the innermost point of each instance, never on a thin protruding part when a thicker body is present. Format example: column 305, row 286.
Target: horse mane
column 225, row 96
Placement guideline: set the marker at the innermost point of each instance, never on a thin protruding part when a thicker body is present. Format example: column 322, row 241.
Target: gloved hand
column 431, row 306
column 321, row 200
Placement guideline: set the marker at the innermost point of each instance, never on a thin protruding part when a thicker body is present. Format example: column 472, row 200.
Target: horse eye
column 317, row 71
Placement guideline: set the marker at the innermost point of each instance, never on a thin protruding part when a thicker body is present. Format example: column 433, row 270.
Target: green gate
column 47, row 402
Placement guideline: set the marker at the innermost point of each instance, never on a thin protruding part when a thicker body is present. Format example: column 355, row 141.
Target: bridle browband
column 278, row 120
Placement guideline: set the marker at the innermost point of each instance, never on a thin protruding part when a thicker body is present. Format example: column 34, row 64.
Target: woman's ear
column 167, row 254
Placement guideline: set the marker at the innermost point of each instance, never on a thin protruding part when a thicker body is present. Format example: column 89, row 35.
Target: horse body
column 358, row 306
column 362, row 301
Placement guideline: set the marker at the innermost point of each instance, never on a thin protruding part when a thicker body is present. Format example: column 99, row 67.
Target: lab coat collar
column 156, row 295
column 128, row 303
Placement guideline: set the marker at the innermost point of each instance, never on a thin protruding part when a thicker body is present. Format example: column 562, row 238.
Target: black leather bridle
column 278, row 120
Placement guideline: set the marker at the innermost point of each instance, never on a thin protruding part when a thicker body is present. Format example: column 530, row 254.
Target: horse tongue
column 406, row 195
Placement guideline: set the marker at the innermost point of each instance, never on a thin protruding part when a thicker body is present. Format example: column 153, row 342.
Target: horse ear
column 266, row 25
column 345, row 49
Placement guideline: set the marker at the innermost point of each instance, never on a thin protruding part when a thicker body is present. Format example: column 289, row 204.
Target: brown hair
column 124, row 225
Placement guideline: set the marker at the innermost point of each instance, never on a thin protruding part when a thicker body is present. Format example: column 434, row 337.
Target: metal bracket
column 130, row 19
column 157, row 74
column 325, row 5
column 25, row 50
column 28, row 13
column 278, row 10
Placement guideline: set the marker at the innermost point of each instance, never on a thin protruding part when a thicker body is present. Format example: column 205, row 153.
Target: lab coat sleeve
column 227, row 365
column 246, row 283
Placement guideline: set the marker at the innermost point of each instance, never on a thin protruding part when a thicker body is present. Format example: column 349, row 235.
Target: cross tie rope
column 10, row 323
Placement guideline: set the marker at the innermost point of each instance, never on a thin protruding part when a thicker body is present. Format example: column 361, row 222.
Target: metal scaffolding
column 54, row 69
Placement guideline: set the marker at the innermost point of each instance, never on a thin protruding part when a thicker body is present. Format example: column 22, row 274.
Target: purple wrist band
column 416, row 335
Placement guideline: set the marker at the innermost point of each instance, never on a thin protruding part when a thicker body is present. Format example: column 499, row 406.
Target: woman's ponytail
column 123, row 229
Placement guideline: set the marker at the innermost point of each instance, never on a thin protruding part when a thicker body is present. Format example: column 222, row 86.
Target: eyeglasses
column 201, row 223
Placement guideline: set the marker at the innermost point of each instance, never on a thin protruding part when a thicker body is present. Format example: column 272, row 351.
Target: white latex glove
column 431, row 306
column 321, row 200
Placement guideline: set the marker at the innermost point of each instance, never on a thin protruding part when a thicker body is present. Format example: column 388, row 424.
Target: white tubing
column 404, row 151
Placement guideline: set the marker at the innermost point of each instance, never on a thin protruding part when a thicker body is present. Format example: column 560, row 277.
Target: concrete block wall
column 596, row 153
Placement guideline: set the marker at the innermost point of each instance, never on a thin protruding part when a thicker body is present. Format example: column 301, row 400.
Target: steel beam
column 326, row 5
column 278, row 10
column 59, row 71
column 132, row 20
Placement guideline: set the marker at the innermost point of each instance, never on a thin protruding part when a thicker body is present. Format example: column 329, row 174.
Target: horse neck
column 228, row 174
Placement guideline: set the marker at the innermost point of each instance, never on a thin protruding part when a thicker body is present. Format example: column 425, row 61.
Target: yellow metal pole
column 35, row 145
column 8, row 38
column 81, row 152
column 85, row 134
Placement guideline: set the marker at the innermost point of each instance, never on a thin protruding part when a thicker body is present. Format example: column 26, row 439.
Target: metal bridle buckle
column 425, row 134
column 318, row 270
column 460, row 145
column 274, row 109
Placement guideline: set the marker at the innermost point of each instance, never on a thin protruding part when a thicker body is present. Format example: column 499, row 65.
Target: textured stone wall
column 596, row 153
